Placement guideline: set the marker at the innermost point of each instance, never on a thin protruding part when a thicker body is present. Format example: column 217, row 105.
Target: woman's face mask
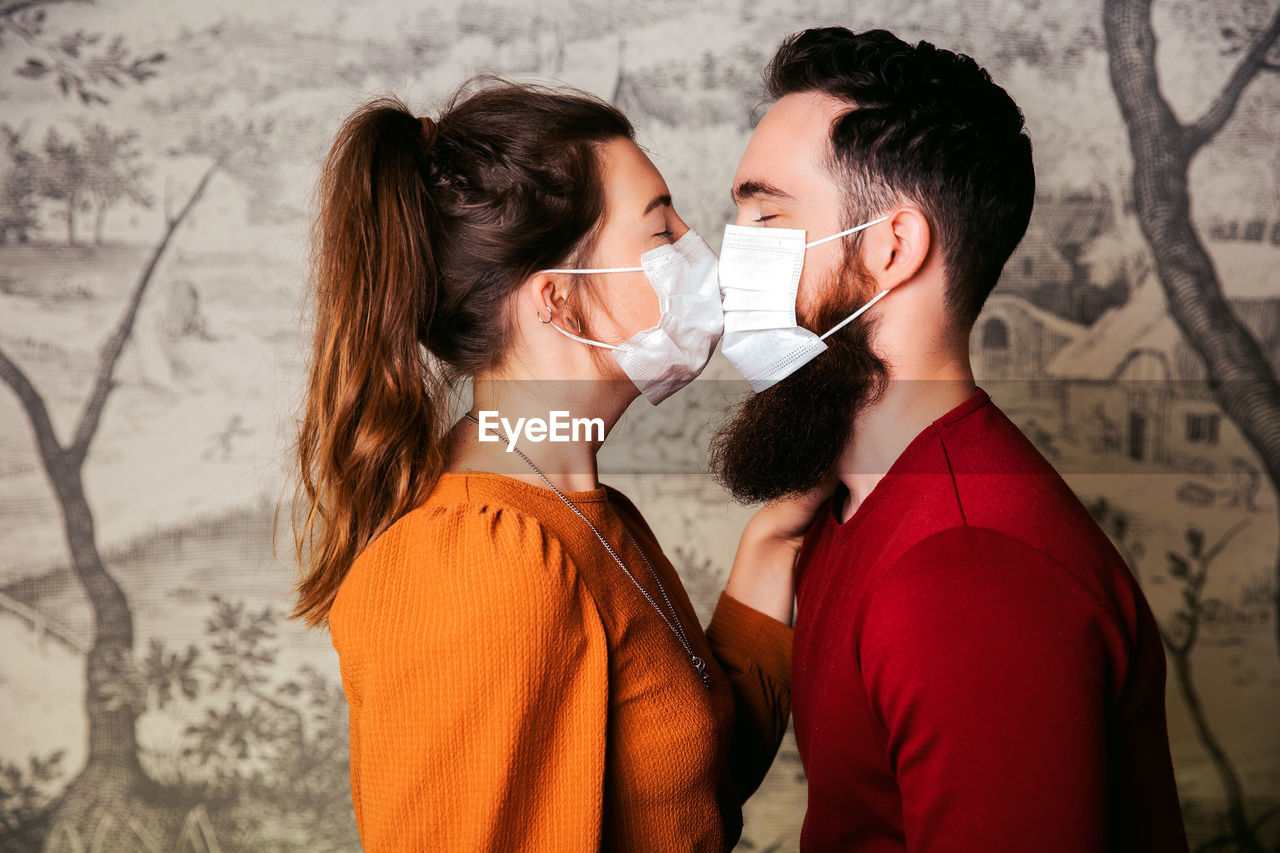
column 759, row 280
column 663, row 358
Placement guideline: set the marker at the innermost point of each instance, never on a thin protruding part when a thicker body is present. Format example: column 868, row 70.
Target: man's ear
column 895, row 250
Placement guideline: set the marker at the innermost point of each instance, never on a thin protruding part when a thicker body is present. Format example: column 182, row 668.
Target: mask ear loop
column 566, row 332
column 844, row 232
column 604, row 269
column 838, row 326
column 569, row 334
column 854, row 315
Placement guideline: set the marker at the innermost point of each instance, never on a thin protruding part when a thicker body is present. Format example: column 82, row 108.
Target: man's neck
column 884, row 429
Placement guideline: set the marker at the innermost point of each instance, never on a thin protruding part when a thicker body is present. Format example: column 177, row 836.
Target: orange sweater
column 510, row 689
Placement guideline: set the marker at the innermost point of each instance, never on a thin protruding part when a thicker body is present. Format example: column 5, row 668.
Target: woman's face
column 639, row 216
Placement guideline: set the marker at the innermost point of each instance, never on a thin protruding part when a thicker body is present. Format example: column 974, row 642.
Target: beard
column 786, row 439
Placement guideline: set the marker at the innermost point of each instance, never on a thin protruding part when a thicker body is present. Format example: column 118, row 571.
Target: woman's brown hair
column 424, row 230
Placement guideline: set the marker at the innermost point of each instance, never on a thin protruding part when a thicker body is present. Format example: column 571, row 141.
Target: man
column 975, row 668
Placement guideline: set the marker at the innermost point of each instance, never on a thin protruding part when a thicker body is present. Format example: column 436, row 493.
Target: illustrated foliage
column 80, row 64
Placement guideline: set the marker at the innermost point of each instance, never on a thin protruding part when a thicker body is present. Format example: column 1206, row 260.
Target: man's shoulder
column 982, row 439
column 995, row 578
column 1004, row 483
column 963, row 556
column 968, row 594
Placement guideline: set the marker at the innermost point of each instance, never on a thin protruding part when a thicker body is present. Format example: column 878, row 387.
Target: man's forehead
column 789, row 146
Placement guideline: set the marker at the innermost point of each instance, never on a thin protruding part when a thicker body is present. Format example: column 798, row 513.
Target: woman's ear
column 543, row 295
column 894, row 251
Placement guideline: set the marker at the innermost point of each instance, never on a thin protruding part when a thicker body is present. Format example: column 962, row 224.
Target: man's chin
column 787, row 438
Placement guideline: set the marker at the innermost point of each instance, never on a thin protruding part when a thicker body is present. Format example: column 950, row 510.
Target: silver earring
column 538, row 314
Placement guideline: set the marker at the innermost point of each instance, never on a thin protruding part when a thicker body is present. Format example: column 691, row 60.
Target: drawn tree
column 1190, row 568
column 60, row 177
column 1163, row 150
column 17, row 188
column 115, row 692
column 114, row 171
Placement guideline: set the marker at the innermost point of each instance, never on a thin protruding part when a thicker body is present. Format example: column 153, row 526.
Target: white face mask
column 759, row 279
column 662, row 359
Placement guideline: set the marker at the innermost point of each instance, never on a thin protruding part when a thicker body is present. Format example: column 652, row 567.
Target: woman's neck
column 558, row 424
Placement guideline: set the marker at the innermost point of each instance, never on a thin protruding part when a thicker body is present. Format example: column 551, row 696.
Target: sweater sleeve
column 987, row 663
column 475, row 666
column 754, row 650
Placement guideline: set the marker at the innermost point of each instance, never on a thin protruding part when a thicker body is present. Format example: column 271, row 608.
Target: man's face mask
column 759, row 280
column 662, row 359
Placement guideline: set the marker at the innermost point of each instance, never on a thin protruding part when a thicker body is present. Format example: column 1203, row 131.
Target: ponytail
column 369, row 445
column 424, row 231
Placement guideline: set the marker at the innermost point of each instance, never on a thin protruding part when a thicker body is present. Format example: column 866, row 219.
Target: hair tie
column 428, row 130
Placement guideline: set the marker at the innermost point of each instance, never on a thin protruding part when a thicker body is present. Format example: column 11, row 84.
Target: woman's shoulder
column 454, row 526
column 458, row 545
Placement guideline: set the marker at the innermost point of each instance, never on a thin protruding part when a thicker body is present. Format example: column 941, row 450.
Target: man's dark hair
column 928, row 126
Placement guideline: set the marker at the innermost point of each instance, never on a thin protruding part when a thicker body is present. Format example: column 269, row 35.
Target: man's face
column 783, row 182
column 787, row 438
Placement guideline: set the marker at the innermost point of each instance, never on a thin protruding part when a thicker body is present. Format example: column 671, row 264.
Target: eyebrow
column 658, row 201
column 754, row 188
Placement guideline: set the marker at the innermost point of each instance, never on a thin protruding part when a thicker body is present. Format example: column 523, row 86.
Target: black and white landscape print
column 157, row 159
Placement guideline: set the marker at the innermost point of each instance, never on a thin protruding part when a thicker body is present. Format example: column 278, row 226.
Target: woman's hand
column 762, row 574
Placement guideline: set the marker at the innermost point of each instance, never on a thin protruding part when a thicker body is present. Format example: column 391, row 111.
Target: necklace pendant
column 701, row 666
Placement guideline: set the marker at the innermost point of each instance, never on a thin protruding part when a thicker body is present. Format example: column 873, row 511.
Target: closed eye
column 667, row 234
column 766, row 218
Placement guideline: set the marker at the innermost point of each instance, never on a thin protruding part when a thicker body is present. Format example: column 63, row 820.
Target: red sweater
column 975, row 668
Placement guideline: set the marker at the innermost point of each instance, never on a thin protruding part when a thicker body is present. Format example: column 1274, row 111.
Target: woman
column 523, row 666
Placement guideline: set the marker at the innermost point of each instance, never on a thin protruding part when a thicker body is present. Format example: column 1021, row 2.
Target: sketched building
column 1049, row 266
column 1145, row 395
column 1015, row 339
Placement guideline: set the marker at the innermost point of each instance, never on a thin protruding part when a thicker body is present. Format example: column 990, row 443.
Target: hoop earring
column 538, row 314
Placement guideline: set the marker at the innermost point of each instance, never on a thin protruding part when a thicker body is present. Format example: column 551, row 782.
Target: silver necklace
column 699, row 665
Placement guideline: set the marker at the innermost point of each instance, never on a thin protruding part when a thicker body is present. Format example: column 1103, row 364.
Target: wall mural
column 156, row 165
